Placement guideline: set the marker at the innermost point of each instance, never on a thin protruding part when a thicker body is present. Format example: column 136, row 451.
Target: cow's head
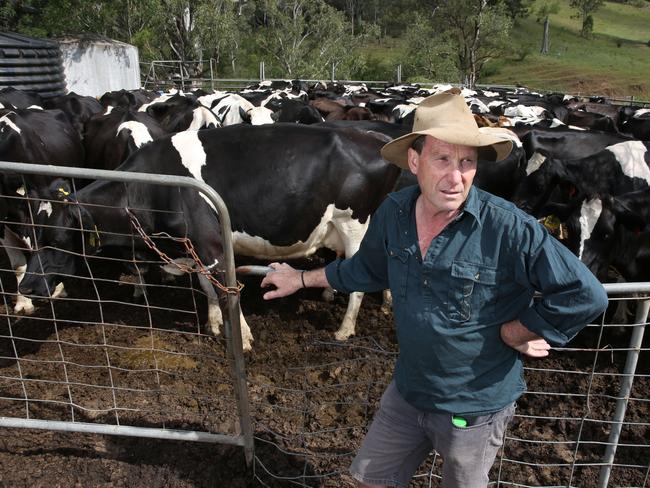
column 601, row 231
column 63, row 229
column 541, row 185
column 256, row 115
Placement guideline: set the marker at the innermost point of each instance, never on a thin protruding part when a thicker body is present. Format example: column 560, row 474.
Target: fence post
column 262, row 74
column 211, row 74
column 399, row 74
column 333, row 72
column 624, row 394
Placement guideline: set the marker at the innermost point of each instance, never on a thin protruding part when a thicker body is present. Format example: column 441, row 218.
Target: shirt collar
column 472, row 205
column 406, row 198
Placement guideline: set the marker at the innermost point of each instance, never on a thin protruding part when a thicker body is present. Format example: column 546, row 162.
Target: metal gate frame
column 232, row 327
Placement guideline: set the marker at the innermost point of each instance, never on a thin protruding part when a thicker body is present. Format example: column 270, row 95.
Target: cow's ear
column 158, row 110
column 626, row 217
column 244, row 115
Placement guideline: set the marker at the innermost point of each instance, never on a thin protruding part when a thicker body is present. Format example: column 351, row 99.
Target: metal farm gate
column 97, row 362
column 133, row 372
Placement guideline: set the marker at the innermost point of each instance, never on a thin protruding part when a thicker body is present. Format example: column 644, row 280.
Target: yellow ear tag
column 63, row 193
column 552, row 223
column 93, row 239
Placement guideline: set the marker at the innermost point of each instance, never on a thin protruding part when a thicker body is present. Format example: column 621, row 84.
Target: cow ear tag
column 63, row 193
column 93, row 239
column 552, row 223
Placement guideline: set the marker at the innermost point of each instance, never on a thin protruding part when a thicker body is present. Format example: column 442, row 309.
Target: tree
column 585, row 8
column 427, row 53
column 515, row 8
column 543, row 12
column 472, row 32
column 221, row 29
column 305, row 37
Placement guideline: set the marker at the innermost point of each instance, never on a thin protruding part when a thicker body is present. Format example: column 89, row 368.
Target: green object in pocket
column 458, row 421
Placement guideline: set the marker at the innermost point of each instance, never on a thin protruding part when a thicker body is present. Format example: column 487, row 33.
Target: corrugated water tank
column 31, row 65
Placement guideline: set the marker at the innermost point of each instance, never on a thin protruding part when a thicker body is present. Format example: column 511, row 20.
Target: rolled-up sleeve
column 571, row 295
column 367, row 269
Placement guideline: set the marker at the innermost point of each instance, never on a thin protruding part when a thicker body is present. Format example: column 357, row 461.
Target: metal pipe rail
column 628, row 373
column 232, row 325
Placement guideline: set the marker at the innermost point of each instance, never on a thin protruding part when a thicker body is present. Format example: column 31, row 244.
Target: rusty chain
column 189, row 247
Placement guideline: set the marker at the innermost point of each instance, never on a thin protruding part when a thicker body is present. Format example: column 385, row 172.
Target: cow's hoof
column 24, row 307
column 343, row 335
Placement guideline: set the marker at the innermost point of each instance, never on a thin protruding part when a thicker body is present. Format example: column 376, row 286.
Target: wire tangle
column 191, row 251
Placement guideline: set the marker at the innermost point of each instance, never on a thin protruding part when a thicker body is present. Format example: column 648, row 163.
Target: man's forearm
column 315, row 278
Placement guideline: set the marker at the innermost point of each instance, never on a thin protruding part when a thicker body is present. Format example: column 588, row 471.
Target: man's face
column 445, row 173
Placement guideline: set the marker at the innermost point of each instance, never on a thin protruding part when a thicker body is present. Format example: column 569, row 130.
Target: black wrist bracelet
column 302, row 278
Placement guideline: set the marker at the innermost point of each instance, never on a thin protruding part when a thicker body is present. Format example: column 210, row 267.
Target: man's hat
column 447, row 117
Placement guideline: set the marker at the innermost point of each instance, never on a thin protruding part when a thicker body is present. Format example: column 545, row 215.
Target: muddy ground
column 108, row 360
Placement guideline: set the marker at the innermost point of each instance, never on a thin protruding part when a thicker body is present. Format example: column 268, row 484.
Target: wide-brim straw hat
column 447, row 117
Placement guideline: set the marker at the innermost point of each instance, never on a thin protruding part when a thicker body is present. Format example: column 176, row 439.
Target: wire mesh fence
column 121, row 344
column 558, row 437
column 102, row 356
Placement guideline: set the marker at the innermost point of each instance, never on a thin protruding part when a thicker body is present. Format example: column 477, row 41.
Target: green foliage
column 578, row 65
column 428, row 54
column 546, row 8
column 585, row 10
column 307, row 38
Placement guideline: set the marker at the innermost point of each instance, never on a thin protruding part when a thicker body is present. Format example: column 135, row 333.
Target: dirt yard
column 112, row 361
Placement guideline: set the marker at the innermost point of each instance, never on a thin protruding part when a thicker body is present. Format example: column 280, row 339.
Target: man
column 462, row 266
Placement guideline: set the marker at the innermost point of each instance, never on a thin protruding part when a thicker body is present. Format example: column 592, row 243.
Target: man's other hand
column 515, row 335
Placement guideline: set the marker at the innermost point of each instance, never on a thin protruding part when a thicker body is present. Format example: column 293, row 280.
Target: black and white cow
column 294, row 190
column 231, row 108
column 638, row 124
column 30, row 136
column 133, row 99
column 111, row 138
column 178, row 112
column 78, row 108
column 618, row 169
column 13, row 98
column 610, row 231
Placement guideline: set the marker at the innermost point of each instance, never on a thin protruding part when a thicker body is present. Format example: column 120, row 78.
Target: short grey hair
column 418, row 143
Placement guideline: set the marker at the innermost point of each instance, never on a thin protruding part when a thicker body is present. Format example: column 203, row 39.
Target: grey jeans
column 401, row 437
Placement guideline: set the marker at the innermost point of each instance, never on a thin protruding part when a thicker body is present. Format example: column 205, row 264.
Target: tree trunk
column 545, row 38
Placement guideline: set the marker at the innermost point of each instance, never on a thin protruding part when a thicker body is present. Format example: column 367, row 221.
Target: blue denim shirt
column 478, row 273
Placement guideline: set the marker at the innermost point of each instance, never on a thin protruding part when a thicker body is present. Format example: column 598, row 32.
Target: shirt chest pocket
column 472, row 294
column 398, row 269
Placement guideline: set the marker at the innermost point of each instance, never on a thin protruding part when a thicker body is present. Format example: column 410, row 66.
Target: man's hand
column 286, row 280
column 515, row 335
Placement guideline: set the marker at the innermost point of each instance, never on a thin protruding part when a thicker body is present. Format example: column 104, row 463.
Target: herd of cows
column 299, row 168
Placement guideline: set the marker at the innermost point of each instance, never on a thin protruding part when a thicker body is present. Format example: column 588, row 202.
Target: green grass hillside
column 616, row 62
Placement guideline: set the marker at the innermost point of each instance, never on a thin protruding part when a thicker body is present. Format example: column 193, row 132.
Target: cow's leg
column 387, row 302
column 215, row 316
column 23, row 303
column 328, row 294
column 351, row 233
column 348, row 325
column 15, row 248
